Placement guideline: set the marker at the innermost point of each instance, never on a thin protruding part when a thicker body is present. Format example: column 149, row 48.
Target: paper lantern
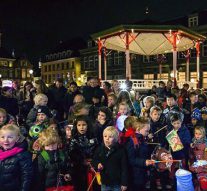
column 184, row 180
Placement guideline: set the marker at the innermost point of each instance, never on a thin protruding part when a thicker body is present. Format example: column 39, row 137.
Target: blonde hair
column 201, row 129
column 155, row 108
column 39, row 97
column 3, row 111
column 150, row 99
column 124, row 104
column 49, row 136
column 140, row 123
column 113, row 131
column 11, row 127
column 128, row 122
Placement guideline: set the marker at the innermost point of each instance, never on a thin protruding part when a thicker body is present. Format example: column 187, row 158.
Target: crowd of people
column 100, row 138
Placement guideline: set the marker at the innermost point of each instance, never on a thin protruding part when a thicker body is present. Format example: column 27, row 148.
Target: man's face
column 93, row 83
column 73, row 88
column 58, row 84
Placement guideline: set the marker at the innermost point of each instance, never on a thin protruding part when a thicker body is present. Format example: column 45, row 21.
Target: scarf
column 8, row 153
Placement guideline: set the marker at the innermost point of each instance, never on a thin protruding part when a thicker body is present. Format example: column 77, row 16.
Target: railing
column 147, row 84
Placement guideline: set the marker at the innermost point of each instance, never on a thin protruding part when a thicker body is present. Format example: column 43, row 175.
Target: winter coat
column 114, row 161
column 137, row 156
column 155, row 126
column 16, row 172
column 98, row 129
column 48, row 170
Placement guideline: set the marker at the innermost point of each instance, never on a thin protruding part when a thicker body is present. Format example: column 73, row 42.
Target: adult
column 69, row 97
column 115, row 87
column 93, row 89
column 58, row 92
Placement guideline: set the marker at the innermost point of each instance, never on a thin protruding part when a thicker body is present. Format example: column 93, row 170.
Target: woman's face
column 111, row 101
column 115, row 85
column 82, row 127
column 101, row 116
column 8, row 139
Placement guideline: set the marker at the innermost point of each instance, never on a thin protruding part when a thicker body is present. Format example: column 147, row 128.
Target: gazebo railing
column 147, row 84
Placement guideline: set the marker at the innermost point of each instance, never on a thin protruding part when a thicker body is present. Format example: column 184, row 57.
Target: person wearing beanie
column 196, row 118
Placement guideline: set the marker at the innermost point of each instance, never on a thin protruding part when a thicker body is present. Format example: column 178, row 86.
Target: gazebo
column 149, row 40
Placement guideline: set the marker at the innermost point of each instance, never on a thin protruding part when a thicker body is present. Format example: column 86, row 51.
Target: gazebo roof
column 148, row 39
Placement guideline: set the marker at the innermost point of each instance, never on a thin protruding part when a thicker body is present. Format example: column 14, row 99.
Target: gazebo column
column 175, row 58
column 198, row 62
column 99, row 58
column 128, row 65
column 187, row 78
column 105, row 64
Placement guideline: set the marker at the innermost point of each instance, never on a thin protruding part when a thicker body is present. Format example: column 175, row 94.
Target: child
column 185, row 138
column 39, row 100
column 123, row 109
column 103, row 120
column 112, row 99
column 5, row 118
column 138, row 154
column 53, row 169
column 137, row 103
column 15, row 160
column 110, row 159
column 148, row 101
column 199, row 143
column 81, row 150
column 157, row 121
column 42, row 122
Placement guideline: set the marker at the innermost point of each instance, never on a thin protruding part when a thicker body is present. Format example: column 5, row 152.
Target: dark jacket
column 137, row 156
column 155, row 126
column 48, row 170
column 16, row 172
column 114, row 161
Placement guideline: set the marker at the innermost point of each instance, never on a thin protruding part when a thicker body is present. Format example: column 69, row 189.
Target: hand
column 100, row 166
column 150, row 136
column 67, row 177
column 123, row 188
column 36, row 146
column 150, row 162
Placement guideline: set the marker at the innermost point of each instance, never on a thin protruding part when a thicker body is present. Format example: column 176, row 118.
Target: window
column 193, row 76
column 181, row 55
column 164, row 76
column 193, row 21
column 109, row 60
column 73, row 65
column 147, row 59
column 181, row 76
column 89, row 44
column 53, row 67
column 49, row 78
column 85, row 63
column 148, row 76
column 49, row 68
column 58, row 66
column 204, row 79
column 69, row 53
column 193, row 53
column 91, row 62
column 67, row 65
column 204, row 49
column 63, row 66
column 117, row 58
column 47, row 57
column 118, row 77
column 46, row 68
column 96, row 61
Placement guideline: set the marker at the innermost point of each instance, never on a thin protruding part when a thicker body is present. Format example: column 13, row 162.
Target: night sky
column 33, row 27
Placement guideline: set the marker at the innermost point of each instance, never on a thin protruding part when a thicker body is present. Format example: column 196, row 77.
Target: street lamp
column 31, row 72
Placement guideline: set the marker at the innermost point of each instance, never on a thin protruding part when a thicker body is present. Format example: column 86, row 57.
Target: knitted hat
column 45, row 110
column 204, row 110
column 196, row 114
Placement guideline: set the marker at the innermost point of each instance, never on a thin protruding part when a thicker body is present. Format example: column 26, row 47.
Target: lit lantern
column 184, row 180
